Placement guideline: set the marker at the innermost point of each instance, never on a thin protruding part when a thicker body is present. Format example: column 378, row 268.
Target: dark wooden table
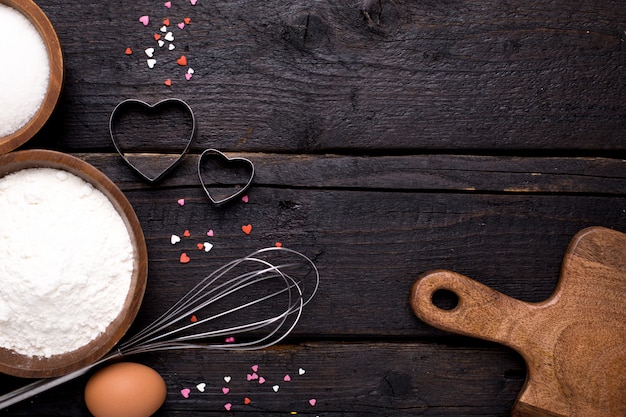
column 389, row 138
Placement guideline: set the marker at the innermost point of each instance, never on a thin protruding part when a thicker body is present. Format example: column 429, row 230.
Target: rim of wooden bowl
column 55, row 82
column 39, row 367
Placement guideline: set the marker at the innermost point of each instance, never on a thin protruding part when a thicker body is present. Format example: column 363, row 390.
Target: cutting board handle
column 480, row 312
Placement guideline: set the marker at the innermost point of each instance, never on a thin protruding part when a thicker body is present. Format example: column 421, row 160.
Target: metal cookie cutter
column 227, row 163
column 142, row 109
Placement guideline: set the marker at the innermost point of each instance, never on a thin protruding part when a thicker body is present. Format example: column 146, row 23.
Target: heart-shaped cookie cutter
column 169, row 102
column 240, row 191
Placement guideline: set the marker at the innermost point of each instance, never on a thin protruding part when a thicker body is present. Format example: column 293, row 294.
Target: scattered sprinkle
column 149, row 52
column 174, row 239
column 181, row 202
column 182, row 61
column 151, row 63
column 168, row 82
column 247, row 401
column 312, row 402
column 276, row 388
column 200, row 246
column 207, row 246
column 210, row 233
column 157, row 36
column 245, row 198
column 166, row 22
column 181, row 25
column 193, row 319
column 228, row 406
column 227, row 378
column 201, row 386
column 261, row 380
column 186, row 233
column 255, row 368
column 188, row 76
column 169, row 36
column 168, row 4
column 301, row 371
column 287, row 378
column 247, row 229
column 184, row 258
column 185, row 392
column 128, row 51
column 187, row 20
column 278, row 244
column 193, row 2
column 145, row 20
column 163, row 29
column 225, row 390
column 229, row 340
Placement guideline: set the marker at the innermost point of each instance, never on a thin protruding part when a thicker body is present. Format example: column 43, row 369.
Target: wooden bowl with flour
column 74, row 265
column 32, row 77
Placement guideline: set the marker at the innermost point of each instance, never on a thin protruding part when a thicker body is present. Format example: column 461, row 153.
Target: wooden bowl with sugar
column 24, row 130
column 23, row 364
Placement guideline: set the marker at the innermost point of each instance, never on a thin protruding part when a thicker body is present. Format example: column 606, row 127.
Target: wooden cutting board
column 574, row 343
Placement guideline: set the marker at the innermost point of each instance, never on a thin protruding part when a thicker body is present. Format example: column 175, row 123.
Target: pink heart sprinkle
column 188, row 76
column 228, row 406
column 261, row 380
column 181, row 202
column 210, row 234
column 193, row 2
column 145, row 20
column 312, row 401
column 248, row 377
column 185, row 392
column 225, row 390
column 244, row 198
column 168, row 4
column 181, row 25
column 255, row 368
column 254, row 376
column 229, row 339
column 287, row 378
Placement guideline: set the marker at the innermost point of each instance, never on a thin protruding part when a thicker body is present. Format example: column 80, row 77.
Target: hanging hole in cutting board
column 445, row 299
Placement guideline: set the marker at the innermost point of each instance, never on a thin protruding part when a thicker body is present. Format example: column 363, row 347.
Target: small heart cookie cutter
column 169, row 102
column 241, row 160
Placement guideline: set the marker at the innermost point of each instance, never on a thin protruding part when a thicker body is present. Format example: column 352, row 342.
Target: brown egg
column 125, row 389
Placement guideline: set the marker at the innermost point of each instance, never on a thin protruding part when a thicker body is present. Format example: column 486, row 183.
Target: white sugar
column 24, row 70
column 66, row 262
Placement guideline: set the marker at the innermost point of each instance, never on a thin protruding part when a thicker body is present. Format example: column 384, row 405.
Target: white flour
column 24, row 70
column 65, row 262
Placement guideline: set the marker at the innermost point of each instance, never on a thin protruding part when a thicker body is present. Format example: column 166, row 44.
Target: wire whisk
column 249, row 303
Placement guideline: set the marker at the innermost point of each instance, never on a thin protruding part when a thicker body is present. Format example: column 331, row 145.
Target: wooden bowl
column 55, row 83
column 32, row 366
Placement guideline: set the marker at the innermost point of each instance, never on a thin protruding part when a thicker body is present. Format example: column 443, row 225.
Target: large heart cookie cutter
column 143, row 109
column 225, row 161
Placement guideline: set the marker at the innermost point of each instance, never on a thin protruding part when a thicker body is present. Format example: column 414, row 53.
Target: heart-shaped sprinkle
column 174, row 239
column 169, row 37
column 275, row 388
column 278, row 244
column 157, row 36
column 151, row 62
column 193, row 319
column 201, row 386
column 207, row 246
column 200, row 246
column 163, row 29
column 168, row 82
column 228, row 406
column 181, row 202
column 210, row 233
column 171, row 47
column 301, row 371
column 229, row 340
column 145, row 20
column 182, row 61
column 166, row 22
column 227, row 379
column 187, row 20
column 193, row 2
column 247, row 228
column 254, row 376
column 255, row 368
column 245, row 199
column 168, row 4
column 261, row 380
column 247, row 401
column 149, row 52
column 184, row 258
column 225, row 390
column 312, row 402
column 185, row 392
column 190, row 70
column 287, row 378
column 161, row 42
column 181, row 25
column 128, row 51
column 188, row 76
column 186, row 233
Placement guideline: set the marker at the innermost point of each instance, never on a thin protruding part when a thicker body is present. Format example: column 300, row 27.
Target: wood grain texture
column 574, row 343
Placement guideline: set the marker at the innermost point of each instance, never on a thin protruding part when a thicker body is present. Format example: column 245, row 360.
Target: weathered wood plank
column 356, row 76
column 392, row 379
column 446, row 173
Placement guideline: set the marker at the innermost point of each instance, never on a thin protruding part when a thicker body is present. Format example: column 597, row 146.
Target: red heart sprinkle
column 184, row 258
column 193, row 319
column 247, row 401
column 129, row 51
column 247, row 228
column 278, row 244
column 187, row 20
column 182, row 61
column 186, row 233
column 200, row 246
column 166, row 22
column 168, row 82
column 157, row 36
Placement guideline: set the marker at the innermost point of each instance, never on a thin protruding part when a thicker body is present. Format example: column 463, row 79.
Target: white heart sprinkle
column 149, row 52
column 161, row 43
column 163, row 28
column 227, row 379
column 169, row 36
column 175, row 239
column 275, row 388
column 201, row 386
column 301, row 371
column 207, row 246
column 171, row 47
column 190, row 70
column 151, row 63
